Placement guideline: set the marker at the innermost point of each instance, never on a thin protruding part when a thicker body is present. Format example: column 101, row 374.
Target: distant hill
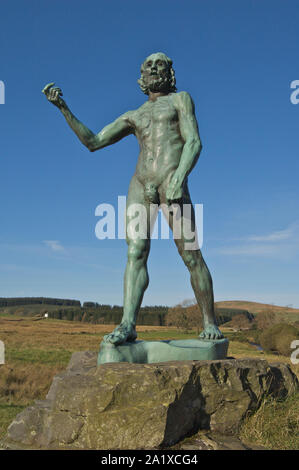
column 192, row 315
column 226, row 311
column 255, row 307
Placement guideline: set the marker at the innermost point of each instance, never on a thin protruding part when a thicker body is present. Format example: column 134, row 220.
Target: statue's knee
column 190, row 260
column 137, row 249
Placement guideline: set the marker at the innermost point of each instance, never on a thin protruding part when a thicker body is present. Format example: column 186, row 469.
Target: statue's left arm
column 192, row 144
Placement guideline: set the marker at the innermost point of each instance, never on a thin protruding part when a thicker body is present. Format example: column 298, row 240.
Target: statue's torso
column 156, row 125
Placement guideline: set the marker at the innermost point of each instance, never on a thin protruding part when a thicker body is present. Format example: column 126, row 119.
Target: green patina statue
column 167, row 132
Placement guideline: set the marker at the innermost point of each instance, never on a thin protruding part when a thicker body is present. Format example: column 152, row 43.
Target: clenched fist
column 53, row 95
column 175, row 189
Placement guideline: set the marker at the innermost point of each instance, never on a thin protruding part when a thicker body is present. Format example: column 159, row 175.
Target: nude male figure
column 167, row 132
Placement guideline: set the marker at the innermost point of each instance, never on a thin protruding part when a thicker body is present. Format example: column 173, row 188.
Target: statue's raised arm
column 112, row 133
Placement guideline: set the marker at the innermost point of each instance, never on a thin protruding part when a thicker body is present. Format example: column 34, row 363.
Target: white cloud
column 250, row 250
column 286, row 234
column 55, row 245
column 11, row 267
column 280, row 243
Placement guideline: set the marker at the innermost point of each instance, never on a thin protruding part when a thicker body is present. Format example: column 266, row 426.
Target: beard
column 157, row 83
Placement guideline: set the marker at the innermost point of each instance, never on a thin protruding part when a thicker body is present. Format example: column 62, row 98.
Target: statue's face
column 155, row 72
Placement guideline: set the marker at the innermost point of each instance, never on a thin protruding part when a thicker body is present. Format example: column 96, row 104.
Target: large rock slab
column 145, row 406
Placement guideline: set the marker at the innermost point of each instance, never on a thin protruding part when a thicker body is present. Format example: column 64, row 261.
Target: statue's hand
column 175, row 189
column 53, row 95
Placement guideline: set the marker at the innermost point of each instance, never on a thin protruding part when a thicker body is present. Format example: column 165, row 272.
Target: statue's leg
column 136, row 275
column 201, row 279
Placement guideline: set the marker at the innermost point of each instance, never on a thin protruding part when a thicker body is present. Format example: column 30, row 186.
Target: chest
column 158, row 113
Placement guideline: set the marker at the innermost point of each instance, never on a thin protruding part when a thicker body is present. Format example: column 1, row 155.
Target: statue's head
column 157, row 74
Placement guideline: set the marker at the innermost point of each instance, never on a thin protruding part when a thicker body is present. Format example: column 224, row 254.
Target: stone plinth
column 145, row 406
column 149, row 352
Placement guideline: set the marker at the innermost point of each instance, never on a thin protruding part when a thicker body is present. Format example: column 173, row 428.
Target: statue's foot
column 122, row 333
column 211, row 332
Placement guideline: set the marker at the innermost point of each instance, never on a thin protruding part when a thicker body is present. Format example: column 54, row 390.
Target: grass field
column 35, row 351
column 275, row 425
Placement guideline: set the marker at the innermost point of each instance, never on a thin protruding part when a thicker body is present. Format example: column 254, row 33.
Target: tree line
column 16, row 301
column 107, row 315
column 157, row 315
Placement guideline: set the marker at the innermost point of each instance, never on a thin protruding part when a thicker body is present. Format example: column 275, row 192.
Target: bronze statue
column 167, row 132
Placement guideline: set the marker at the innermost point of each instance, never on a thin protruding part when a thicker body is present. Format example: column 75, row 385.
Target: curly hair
column 169, row 81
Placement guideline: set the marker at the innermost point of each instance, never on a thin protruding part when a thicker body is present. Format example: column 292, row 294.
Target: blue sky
column 236, row 59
